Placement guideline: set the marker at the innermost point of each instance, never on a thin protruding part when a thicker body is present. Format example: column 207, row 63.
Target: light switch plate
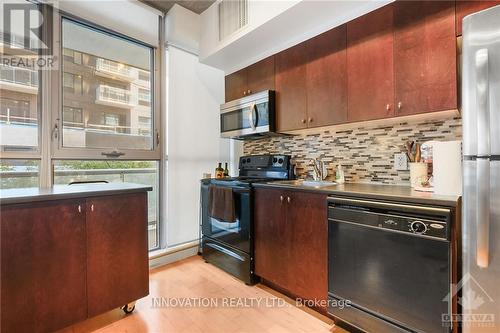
column 400, row 162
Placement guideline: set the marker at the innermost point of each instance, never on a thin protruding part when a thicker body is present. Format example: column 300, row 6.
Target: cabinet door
column 117, row 251
column 42, row 266
column 307, row 220
column 260, row 76
column 236, row 85
column 327, row 78
column 290, row 80
column 272, row 244
column 465, row 8
column 370, row 67
column 425, row 56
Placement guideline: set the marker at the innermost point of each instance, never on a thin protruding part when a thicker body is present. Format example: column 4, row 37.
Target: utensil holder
column 418, row 173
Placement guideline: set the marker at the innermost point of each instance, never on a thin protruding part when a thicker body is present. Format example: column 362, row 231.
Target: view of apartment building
column 18, row 101
column 102, row 97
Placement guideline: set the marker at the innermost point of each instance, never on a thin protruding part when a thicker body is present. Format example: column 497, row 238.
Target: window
column 118, row 76
column 144, row 97
column 73, row 56
column 72, row 83
column 19, row 173
column 139, row 172
column 72, row 117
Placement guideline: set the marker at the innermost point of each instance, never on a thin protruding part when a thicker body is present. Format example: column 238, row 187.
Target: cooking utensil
column 418, row 152
column 409, row 150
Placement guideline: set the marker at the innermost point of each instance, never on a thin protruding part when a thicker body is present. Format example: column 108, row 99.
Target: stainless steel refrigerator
column 480, row 286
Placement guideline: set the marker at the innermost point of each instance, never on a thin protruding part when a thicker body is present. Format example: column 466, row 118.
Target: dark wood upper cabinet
column 370, row 66
column 327, row 78
column 271, row 237
column 465, row 8
column 249, row 80
column 425, row 53
column 117, row 251
column 43, row 251
column 236, row 85
column 260, row 76
column 290, row 81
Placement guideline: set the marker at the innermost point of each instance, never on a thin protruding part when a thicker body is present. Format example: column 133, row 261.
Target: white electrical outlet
column 400, row 162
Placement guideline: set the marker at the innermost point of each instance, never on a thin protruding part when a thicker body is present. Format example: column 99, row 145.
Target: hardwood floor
column 192, row 279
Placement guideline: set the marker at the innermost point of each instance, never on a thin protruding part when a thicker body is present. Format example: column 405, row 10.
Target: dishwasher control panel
column 416, row 220
column 414, row 225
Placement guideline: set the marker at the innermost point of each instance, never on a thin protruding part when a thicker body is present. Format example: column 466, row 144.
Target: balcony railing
column 7, row 118
column 114, row 68
column 18, row 75
column 114, row 95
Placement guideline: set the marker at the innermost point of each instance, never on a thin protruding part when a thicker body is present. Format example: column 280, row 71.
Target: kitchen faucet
column 319, row 168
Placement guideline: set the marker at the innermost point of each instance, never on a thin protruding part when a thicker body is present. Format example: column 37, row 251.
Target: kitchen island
column 71, row 252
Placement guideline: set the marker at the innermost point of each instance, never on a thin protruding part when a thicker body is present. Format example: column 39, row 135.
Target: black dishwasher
column 391, row 261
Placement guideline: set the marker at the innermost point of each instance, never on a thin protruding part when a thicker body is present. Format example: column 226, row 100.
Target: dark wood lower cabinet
column 43, row 266
column 291, row 242
column 307, row 219
column 63, row 261
column 117, row 251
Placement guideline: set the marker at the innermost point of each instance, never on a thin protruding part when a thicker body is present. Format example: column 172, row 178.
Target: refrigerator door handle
column 482, row 102
column 483, row 213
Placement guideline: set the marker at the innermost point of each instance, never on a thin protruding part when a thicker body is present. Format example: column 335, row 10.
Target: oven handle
column 225, row 251
column 393, row 206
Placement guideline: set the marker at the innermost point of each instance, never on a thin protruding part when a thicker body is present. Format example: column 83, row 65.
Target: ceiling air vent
column 233, row 15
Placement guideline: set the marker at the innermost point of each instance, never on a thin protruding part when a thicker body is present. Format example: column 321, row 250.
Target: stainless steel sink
column 305, row 183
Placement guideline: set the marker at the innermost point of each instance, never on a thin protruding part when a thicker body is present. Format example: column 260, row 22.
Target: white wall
column 182, row 29
column 195, row 92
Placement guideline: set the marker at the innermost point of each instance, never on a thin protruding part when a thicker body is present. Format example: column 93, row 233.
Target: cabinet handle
column 400, row 105
column 288, row 199
column 388, row 107
column 303, row 121
column 281, row 198
column 244, row 93
column 249, row 91
column 79, row 208
column 311, row 120
column 92, row 207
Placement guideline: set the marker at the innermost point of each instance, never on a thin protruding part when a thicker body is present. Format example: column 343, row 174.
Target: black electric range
column 230, row 245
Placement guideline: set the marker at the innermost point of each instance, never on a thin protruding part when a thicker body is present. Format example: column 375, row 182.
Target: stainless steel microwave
column 249, row 117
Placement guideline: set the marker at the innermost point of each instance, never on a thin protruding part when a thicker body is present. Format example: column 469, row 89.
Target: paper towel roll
column 447, row 167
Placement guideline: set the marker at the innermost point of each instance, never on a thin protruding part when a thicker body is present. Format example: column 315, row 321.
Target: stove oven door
column 235, row 234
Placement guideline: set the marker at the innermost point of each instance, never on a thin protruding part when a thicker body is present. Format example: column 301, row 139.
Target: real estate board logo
column 22, row 38
column 22, row 23
column 472, row 300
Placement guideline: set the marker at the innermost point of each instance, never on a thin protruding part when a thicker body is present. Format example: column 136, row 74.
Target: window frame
column 59, row 151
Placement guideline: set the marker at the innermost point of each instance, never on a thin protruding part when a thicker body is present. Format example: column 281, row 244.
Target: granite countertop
column 60, row 192
column 397, row 193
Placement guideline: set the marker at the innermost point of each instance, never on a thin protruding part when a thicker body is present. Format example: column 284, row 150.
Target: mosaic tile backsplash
column 366, row 153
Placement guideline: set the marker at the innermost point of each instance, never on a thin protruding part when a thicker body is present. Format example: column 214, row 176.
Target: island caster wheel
column 128, row 308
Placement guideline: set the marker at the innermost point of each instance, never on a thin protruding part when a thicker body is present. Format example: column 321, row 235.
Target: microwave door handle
column 251, row 117
column 482, row 102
